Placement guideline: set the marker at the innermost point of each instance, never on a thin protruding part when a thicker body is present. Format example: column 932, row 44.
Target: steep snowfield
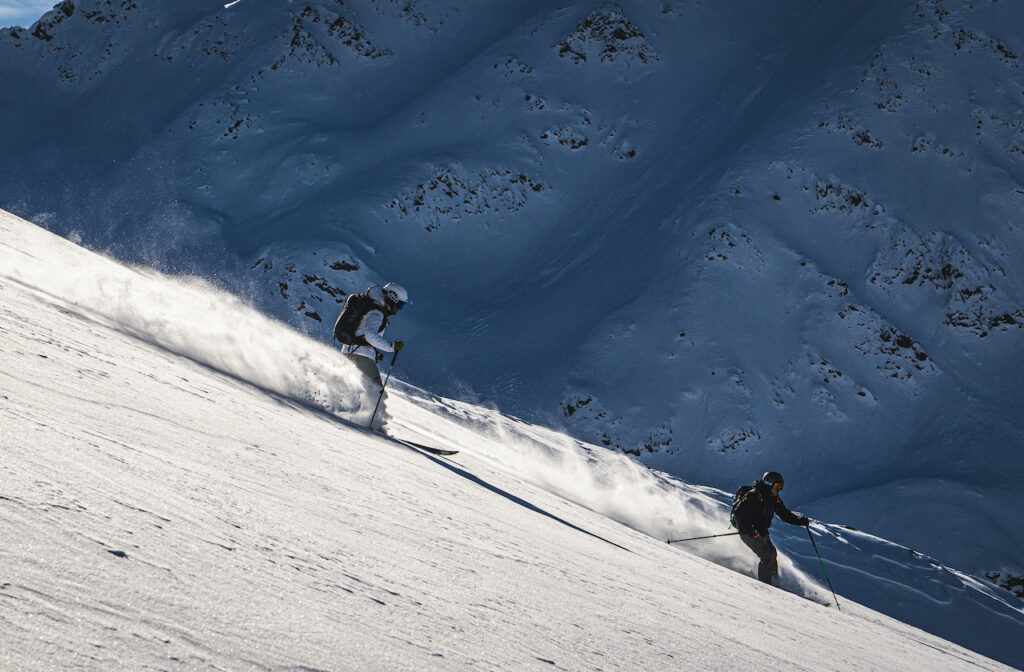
column 185, row 485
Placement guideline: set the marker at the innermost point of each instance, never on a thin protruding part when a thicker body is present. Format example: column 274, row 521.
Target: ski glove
column 804, row 521
column 399, row 345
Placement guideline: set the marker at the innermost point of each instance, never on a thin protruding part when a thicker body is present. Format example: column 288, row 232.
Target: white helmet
column 396, row 294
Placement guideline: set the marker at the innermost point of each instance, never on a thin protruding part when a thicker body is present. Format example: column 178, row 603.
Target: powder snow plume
column 190, row 317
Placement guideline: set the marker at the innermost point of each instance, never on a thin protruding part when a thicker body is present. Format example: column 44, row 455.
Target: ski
column 429, row 449
column 419, row 446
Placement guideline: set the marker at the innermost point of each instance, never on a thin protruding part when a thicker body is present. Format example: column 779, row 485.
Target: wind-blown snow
column 189, row 317
column 168, row 514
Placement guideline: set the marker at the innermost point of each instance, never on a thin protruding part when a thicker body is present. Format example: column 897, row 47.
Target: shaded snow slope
column 178, row 503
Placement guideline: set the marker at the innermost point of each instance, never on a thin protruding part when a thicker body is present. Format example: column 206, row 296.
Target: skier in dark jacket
column 753, row 512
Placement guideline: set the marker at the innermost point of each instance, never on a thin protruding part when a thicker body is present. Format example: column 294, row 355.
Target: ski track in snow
column 171, row 498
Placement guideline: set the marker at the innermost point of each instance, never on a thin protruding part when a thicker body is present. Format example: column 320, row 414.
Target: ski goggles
column 777, row 487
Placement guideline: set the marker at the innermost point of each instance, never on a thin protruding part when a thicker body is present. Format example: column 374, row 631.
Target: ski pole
column 823, row 568
column 710, row 536
column 386, row 379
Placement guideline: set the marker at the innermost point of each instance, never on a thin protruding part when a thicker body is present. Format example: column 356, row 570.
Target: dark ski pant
column 764, row 548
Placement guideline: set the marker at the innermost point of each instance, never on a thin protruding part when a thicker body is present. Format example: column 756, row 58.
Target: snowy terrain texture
column 186, row 485
column 725, row 237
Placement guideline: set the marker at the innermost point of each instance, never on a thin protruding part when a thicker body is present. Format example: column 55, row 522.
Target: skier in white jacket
column 360, row 329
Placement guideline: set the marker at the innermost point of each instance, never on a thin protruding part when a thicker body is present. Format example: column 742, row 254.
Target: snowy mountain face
column 722, row 237
column 180, row 493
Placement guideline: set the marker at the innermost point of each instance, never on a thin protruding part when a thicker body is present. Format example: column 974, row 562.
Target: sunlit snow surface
column 186, row 485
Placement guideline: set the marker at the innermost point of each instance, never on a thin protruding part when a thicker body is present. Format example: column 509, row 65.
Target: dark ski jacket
column 757, row 509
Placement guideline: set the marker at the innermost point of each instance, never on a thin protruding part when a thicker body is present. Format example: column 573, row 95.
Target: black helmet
column 772, row 478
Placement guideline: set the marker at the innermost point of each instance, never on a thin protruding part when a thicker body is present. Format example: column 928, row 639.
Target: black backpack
column 742, row 495
column 356, row 308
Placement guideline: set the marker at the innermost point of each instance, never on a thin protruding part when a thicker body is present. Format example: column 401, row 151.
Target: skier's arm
column 783, row 512
column 370, row 327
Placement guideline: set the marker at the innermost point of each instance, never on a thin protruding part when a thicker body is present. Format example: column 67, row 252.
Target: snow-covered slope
column 186, row 486
column 727, row 237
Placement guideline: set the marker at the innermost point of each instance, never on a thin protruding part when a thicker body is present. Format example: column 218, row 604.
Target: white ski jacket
column 369, row 328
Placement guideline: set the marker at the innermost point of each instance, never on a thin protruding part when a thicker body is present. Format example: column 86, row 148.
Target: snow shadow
column 515, row 499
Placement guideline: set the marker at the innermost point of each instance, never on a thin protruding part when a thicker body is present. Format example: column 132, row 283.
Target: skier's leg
column 368, row 368
column 769, row 566
column 765, row 550
column 370, row 371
